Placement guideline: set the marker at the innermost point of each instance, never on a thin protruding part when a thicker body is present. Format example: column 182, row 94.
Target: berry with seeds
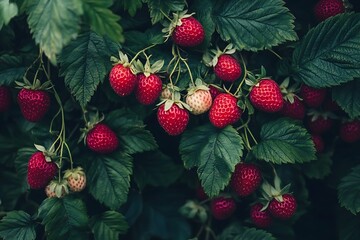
column 173, row 120
column 266, row 96
column 102, row 139
column 224, row 110
column 284, row 209
column 261, row 219
column 227, row 68
column 40, row 171
column 245, row 179
column 312, row 97
column 350, row 131
column 328, row 8
column 222, row 208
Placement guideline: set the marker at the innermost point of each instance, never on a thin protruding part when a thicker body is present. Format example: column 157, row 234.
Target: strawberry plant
column 179, row 119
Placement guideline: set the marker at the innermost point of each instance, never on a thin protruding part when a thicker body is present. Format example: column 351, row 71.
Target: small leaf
column 17, row 225
column 349, row 191
column 284, row 141
column 215, row 152
column 156, row 7
column 238, row 232
column 130, row 6
column 108, row 225
column 348, row 98
column 7, row 12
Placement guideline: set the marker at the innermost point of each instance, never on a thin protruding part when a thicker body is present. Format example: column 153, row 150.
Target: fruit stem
column 273, row 52
column 244, row 124
column 244, row 77
column 251, row 134
column 246, row 138
column 200, row 231
column 165, row 15
column 141, row 51
column 184, row 60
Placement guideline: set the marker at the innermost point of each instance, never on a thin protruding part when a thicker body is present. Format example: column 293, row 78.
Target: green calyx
column 123, row 59
column 48, row 153
column 289, row 92
column 59, row 188
column 254, row 79
column 315, row 114
column 147, row 68
column 192, row 209
column 199, row 85
column 175, row 99
column 76, row 173
column 169, row 27
column 36, row 85
column 211, row 57
column 269, row 192
column 94, row 118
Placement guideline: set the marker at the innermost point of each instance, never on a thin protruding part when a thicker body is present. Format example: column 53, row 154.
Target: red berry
column 200, row 101
column 285, row 209
column 295, row 110
column 246, row 179
column 189, row 34
column 34, row 104
column 101, row 139
column 174, row 120
column 261, row 219
column 227, row 68
column 350, row 131
column 266, row 96
column 224, row 111
column 148, row 89
column 328, row 8
column 313, row 97
column 214, row 91
column 318, row 142
column 320, row 125
column 122, row 80
column 40, row 172
column 5, row 98
column 222, row 208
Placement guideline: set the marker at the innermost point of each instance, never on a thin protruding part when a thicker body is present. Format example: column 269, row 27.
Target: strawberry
column 312, row 97
column 56, row 189
column 102, row 139
column 227, row 68
column 245, row 179
column 40, row 172
column 49, row 192
column 199, row 100
column 173, row 120
column 266, row 96
column 148, row 88
column 320, row 124
column 214, row 91
column 328, row 8
column 76, row 179
column 318, row 142
column 222, row 208
column 224, row 110
column 295, row 110
column 34, row 104
column 261, row 219
column 5, row 98
column 284, row 209
column 122, row 80
column 166, row 93
column 350, row 131
column 188, row 32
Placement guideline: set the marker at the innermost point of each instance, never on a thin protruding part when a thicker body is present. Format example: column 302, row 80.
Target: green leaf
column 108, row 225
column 102, row 20
column 64, row 218
column 349, row 191
column 7, row 12
column 156, row 7
column 83, row 64
column 137, row 40
column 133, row 136
column 348, row 98
column 21, row 161
column 319, row 168
column 54, row 24
column 109, row 178
column 329, row 53
column 215, row 152
column 11, row 68
column 17, row 225
column 12, row 189
column 254, row 24
column 130, row 6
column 237, row 232
column 284, row 141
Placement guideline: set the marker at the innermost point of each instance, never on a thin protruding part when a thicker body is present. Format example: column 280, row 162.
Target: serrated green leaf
column 254, row 24
column 109, row 178
column 349, row 191
column 102, row 20
column 64, row 218
column 348, row 98
column 133, row 136
column 7, row 12
column 203, row 10
column 108, row 225
column 12, row 189
column 238, row 232
column 130, row 6
column 284, row 141
column 21, row 161
column 54, row 24
column 17, row 225
column 11, row 68
column 83, row 64
column 319, row 168
column 156, row 7
column 329, row 53
column 215, row 152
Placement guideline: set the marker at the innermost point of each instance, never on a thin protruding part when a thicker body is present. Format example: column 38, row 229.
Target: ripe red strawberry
column 40, row 172
column 200, row 101
column 76, row 179
column 328, row 8
column 245, row 179
column 5, row 98
column 350, row 131
column 312, row 97
column 222, row 208
column 174, row 120
column 101, row 139
column 189, row 33
column 148, row 89
column 295, row 110
column 34, row 104
column 318, row 142
column 261, row 219
column 214, row 91
column 224, row 110
column 285, row 209
column 266, row 96
column 122, row 80
column 227, row 68
column 320, row 124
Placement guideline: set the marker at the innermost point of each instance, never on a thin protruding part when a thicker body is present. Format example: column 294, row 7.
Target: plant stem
column 273, row 52
column 141, row 51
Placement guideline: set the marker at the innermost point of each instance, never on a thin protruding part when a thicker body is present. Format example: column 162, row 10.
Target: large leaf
column 284, row 141
column 7, row 12
column 319, row 168
column 11, row 68
column 254, row 24
column 102, row 20
column 21, row 161
column 109, row 178
column 54, row 23
column 237, row 232
column 348, row 98
column 64, row 218
column 108, row 225
column 156, row 7
column 215, row 152
column 11, row 190
column 17, row 225
column 130, row 6
column 329, row 54
column 349, row 191
column 203, row 10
